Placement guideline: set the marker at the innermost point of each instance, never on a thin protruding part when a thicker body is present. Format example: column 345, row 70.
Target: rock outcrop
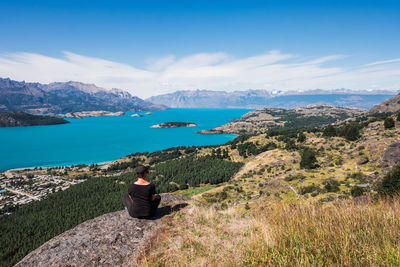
column 113, row 239
column 392, row 154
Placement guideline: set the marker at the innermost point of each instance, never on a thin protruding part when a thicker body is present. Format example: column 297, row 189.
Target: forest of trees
column 35, row 223
column 349, row 131
column 191, row 171
column 249, row 148
column 132, row 163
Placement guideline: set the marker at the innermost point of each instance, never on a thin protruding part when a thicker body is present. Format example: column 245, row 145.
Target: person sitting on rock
column 142, row 201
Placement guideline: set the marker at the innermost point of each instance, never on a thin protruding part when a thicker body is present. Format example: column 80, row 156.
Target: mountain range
column 64, row 97
column 68, row 97
column 272, row 99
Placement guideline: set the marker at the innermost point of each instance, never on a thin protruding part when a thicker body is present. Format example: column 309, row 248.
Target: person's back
column 142, row 201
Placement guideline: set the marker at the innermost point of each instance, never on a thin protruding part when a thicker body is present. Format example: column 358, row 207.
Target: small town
column 22, row 186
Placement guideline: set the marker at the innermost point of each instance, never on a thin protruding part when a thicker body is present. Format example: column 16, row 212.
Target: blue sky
column 148, row 40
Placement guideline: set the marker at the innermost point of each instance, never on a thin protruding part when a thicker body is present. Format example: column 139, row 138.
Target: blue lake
column 100, row 139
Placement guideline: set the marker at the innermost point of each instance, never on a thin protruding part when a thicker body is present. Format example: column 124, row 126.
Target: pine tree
column 308, row 159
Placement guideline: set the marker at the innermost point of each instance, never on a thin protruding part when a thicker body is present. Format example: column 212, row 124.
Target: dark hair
column 141, row 170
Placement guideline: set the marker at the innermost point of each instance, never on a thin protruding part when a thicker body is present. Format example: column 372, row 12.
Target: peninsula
column 174, row 124
column 13, row 119
column 96, row 113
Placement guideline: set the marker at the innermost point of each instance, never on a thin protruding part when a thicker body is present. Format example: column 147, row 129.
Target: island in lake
column 18, row 118
column 174, row 124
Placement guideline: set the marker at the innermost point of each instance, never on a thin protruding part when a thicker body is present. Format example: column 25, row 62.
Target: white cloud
column 396, row 60
column 214, row 71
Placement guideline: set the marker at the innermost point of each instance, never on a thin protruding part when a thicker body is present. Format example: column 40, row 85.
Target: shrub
column 331, row 185
column 398, row 116
column 308, row 159
column 302, row 137
column 329, row 131
column 357, row 191
column 298, row 176
column 308, row 189
column 389, row 123
column 390, row 184
column 357, row 176
column 290, row 145
column 183, row 186
column 351, row 131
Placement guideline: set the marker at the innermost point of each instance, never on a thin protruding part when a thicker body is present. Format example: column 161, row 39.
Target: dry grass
column 336, row 234
column 341, row 234
column 204, row 237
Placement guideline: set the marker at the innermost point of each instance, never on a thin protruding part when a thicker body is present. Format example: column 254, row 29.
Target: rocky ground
column 113, row 239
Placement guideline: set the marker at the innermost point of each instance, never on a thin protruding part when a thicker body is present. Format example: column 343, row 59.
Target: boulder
column 363, row 160
column 113, row 239
column 392, row 154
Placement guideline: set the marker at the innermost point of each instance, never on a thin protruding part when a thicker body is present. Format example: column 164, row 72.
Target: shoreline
column 53, row 166
column 172, row 114
column 99, row 163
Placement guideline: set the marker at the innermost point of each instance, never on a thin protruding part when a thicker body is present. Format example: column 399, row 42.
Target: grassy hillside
column 277, row 234
column 343, row 169
column 279, row 211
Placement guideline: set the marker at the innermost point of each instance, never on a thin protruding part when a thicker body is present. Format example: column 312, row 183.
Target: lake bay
column 100, row 139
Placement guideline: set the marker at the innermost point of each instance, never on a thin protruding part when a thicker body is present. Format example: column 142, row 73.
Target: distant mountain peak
column 65, row 97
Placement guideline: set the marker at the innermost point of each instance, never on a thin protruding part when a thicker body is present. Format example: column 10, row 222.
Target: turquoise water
column 100, row 139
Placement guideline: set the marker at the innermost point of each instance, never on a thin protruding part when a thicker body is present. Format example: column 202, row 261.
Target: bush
column 390, row 184
column 351, row 131
column 389, row 123
column 308, row 189
column 302, row 137
column 398, row 117
column 308, row 159
column 357, row 191
column 331, row 185
column 290, row 145
column 183, row 186
column 298, row 176
column 359, row 176
column 329, row 131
